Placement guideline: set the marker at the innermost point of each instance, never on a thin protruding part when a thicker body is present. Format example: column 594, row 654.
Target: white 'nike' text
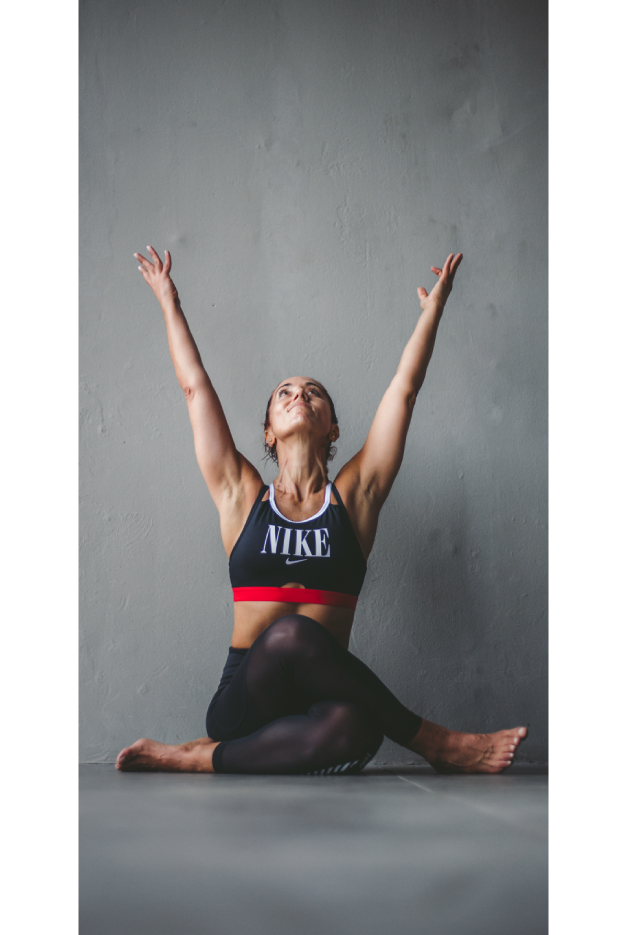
column 300, row 546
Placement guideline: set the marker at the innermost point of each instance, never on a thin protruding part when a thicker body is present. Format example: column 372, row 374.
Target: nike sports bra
column 322, row 553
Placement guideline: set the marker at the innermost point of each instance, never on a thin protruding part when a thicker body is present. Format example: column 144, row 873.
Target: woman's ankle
column 429, row 739
column 200, row 758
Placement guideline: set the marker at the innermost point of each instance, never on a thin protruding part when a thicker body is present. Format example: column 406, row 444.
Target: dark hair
column 271, row 451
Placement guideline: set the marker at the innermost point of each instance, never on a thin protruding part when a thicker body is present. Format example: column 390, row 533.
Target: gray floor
column 390, row 851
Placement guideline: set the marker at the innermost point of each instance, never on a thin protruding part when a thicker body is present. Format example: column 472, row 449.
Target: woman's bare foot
column 193, row 757
column 450, row 751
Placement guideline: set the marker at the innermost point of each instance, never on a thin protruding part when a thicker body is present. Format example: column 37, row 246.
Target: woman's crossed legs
column 301, row 703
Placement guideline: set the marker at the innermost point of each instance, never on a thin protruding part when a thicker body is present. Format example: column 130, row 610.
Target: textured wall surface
column 306, row 163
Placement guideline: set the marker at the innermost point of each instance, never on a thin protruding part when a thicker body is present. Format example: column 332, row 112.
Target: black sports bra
column 327, row 558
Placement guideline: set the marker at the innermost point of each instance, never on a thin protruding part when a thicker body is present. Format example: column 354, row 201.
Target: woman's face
column 299, row 405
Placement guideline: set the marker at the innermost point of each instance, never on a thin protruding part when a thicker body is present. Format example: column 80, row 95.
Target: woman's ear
column 270, row 439
column 335, row 433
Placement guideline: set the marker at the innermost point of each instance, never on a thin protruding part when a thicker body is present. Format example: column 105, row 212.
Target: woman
column 292, row 699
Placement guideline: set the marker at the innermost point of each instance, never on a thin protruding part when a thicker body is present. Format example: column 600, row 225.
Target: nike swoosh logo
column 295, row 562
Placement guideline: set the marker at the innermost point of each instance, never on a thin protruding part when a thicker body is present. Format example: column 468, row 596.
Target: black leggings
column 297, row 702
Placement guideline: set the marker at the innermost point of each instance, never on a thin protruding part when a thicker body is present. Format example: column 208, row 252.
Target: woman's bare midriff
column 253, row 617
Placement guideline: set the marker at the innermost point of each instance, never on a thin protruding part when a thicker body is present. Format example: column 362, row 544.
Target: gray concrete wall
column 306, row 162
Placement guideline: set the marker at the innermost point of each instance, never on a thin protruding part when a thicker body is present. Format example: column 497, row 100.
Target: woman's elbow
column 193, row 386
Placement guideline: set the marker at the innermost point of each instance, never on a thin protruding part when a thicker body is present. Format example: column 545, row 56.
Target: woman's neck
column 302, row 472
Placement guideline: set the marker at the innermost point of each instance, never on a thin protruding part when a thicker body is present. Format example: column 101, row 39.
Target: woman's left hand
column 442, row 289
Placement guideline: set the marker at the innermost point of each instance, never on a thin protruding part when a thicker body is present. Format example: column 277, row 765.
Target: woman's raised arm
column 230, row 477
column 366, row 479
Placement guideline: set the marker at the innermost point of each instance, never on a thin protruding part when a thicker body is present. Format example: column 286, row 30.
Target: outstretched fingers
column 456, row 260
column 450, row 266
column 153, row 270
column 155, row 258
column 145, row 264
column 444, row 271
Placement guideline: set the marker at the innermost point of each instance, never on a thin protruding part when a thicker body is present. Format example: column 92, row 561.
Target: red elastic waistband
column 296, row 596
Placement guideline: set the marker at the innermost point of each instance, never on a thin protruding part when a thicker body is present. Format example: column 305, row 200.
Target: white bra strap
column 327, row 500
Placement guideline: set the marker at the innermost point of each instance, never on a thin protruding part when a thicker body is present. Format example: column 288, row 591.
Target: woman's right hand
column 157, row 275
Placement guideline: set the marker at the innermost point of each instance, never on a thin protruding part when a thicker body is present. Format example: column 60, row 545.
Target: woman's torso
column 251, row 618
column 319, row 554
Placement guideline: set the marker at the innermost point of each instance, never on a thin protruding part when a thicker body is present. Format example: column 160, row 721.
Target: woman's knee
column 292, row 633
column 346, row 731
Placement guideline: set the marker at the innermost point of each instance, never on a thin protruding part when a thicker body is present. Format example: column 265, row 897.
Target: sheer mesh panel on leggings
column 325, row 711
